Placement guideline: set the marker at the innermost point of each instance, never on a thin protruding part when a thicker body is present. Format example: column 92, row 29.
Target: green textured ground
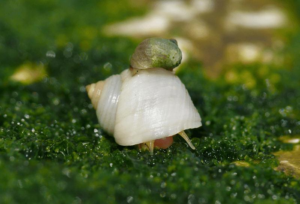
column 53, row 151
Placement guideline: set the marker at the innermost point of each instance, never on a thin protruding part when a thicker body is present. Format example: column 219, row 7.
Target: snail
column 147, row 102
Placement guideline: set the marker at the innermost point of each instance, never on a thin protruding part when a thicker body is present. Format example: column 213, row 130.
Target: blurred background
column 240, row 66
column 217, row 33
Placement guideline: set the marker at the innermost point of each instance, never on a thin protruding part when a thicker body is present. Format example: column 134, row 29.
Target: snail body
column 139, row 107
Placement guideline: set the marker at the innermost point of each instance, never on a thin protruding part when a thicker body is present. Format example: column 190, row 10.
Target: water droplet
column 162, row 194
column 82, row 89
column 129, row 199
column 50, row 54
column 107, row 66
column 163, row 184
column 191, row 198
column 84, row 56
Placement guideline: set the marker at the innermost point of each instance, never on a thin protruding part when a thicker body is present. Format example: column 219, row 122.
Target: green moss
column 52, row 149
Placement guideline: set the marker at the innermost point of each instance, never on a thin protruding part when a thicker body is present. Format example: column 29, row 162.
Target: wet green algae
column 53, row 151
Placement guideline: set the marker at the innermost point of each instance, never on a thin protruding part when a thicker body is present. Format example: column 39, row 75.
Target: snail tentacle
column 187, row 139
column 150, row 146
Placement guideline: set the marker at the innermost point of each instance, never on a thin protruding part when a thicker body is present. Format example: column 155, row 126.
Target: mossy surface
column 52, row 149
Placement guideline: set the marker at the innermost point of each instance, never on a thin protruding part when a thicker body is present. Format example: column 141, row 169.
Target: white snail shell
column 138, row 107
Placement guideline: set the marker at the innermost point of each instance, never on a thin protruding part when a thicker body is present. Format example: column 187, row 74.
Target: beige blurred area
column 218, row 33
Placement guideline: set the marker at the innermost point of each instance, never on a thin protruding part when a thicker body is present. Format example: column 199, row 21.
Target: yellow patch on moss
column 241, row 163
column 231, row 77
column 89, row 33
column 289, row 139
column 275, row 78
column 245, row 77
column 263, row 71
column 248, row 79
column 29, row 73
column 289, row 161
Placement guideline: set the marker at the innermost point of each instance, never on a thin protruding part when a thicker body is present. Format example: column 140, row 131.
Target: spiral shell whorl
column 105, row 97
column 94, row 92
column 156, row 52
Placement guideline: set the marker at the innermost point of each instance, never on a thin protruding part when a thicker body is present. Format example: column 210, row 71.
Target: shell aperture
column 156, row 53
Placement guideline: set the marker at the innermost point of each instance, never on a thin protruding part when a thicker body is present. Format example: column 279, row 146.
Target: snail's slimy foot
column 186, row 138
column 164, row 143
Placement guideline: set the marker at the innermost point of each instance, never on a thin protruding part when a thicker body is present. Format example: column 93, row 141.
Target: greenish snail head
column 156, row 53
